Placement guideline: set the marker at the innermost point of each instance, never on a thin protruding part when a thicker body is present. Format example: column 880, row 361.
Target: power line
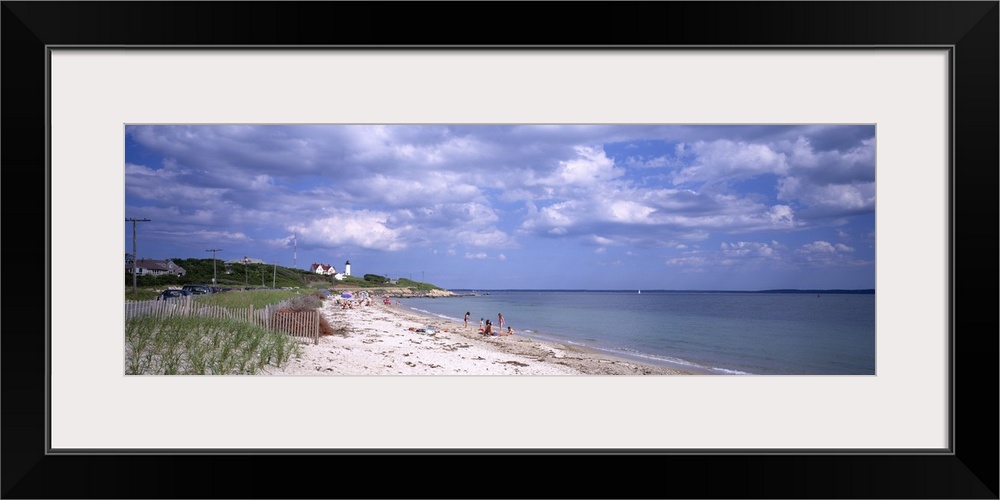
column 135, row 253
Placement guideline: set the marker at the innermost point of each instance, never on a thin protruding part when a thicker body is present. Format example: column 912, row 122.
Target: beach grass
column 247, row 298
column 202, row 346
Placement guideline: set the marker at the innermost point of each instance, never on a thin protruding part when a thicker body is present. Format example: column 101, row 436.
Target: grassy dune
column 202, row 346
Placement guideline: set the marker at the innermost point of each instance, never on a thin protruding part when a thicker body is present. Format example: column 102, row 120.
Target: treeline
column 201, row 271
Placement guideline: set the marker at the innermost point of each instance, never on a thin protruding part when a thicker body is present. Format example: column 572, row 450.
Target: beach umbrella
column 346, row 295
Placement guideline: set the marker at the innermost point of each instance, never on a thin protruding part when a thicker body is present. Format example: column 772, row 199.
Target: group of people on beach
column 354, row 303
column 486, row 326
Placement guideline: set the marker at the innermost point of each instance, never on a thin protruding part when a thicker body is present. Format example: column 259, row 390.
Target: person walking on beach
column 500, row 320
column 466, row 320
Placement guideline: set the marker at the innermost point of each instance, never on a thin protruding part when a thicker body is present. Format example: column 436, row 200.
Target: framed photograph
column 94, row 90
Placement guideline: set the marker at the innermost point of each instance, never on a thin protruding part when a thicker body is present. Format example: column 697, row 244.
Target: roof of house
column 157, row 265
column 248, row 261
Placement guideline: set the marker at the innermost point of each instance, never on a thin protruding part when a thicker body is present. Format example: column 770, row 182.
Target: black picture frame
column 969, row 28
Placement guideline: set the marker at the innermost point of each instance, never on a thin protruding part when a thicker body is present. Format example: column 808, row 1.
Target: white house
column 228, row 265
column 327, row 270
column 245, row 260
column 324, row 269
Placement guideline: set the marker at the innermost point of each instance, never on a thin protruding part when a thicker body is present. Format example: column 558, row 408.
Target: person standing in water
column 500, row 321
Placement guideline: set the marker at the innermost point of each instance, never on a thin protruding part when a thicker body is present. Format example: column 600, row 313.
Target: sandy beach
column 381, row 339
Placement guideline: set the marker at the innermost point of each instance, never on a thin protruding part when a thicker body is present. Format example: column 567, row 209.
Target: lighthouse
column 347, row 268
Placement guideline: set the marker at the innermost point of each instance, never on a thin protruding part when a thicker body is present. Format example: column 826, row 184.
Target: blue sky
column 503, row 206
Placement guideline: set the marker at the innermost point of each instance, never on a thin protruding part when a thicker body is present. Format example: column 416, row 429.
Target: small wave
column 676, row 361
column 728, row 371
column 435, row 315
column 668, row 359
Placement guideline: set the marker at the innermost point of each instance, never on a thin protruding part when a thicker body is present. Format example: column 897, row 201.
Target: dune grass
column 247, row 298
column 202, row 346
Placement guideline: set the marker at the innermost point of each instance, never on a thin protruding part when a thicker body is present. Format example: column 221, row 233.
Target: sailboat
column 640, row 291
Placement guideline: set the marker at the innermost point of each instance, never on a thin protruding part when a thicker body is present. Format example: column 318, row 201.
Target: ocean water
column 706, row 332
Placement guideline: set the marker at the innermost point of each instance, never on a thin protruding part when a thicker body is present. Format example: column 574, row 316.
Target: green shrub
column 416, row 285
column 140, row 293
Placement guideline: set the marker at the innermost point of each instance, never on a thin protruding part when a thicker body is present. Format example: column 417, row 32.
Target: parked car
column 172, row 293
column 197, row 289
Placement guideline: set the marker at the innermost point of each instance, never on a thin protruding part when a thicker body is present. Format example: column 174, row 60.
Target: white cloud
column 745, row 249
column 365, row 229
column 439, row 187
column 825, row 247
column 629, row 212
column 782, row 215
column 826, row 254
column 600, row 240
column 582, row 175
column 725, row 158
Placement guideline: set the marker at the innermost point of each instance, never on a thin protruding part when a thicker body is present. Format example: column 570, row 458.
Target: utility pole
column 214, row 271
column 274, row 275
column 135, row 253
column 295, row 252
column 246, row 273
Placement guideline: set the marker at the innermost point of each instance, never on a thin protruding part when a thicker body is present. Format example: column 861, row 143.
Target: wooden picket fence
column 302, row 324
